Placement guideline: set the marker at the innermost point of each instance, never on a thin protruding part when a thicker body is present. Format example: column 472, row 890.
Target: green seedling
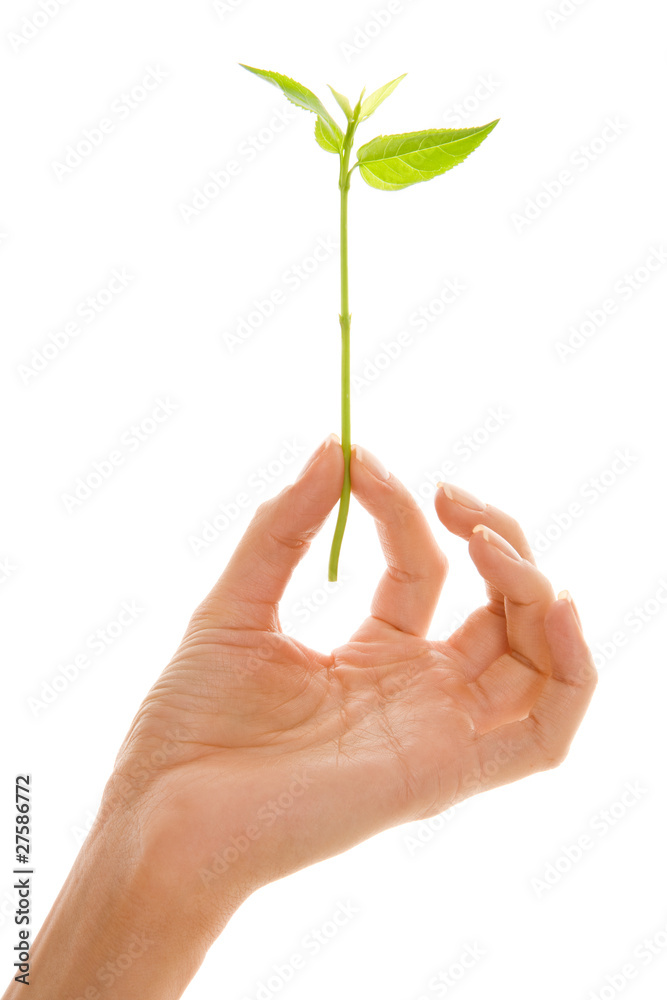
column 389, row 163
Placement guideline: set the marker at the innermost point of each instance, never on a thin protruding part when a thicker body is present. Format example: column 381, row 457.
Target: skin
column 254, row 756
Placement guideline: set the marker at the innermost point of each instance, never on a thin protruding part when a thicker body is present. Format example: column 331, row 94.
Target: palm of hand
column 390, row 698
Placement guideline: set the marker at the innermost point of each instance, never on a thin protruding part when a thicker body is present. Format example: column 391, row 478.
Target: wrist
column 121, row 926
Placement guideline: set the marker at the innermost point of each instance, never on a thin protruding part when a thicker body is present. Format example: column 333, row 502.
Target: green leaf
column 326, row 137
column 378, row 96
column 357, row 107
column 299, row 95
column 393, row 162
column 343, row 102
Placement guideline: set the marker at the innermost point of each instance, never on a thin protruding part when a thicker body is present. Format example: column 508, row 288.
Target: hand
column 253, row 755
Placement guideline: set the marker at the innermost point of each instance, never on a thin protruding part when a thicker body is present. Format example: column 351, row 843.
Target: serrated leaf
column 326, row 137
column 393, row 162
column 378, row 96
column 343, row 102
column 297, row 94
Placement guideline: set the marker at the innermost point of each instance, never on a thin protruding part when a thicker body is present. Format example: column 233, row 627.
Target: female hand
column 253, row 755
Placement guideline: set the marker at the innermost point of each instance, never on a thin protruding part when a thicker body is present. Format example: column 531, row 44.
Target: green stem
column 345, row 322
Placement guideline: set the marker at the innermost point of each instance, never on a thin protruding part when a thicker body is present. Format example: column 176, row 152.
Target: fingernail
column 565, row 595
column 497, row 541
column 318, row 451
column 462, row 497
column 370, row 462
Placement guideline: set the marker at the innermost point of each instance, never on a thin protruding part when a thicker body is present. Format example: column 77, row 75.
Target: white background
column 554, row 83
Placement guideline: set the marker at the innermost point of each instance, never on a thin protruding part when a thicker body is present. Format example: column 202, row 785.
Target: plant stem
column 345, row 323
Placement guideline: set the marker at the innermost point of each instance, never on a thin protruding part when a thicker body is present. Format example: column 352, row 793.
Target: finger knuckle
column 264, row 510
column 399, row 575
column 512, row 531
column 294, row 542
column 590, row 673
column 512, row 527
column 552, row 745
column 553, row 754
